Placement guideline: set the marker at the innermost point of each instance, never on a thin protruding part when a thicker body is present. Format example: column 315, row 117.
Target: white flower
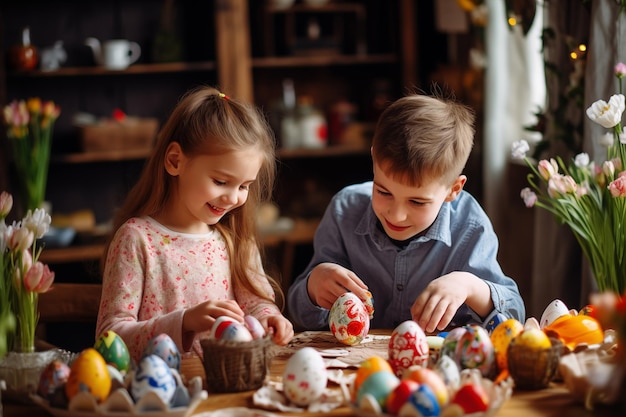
column 581, row 160
column 519, row 149
column 37, row 222
column 607, row 114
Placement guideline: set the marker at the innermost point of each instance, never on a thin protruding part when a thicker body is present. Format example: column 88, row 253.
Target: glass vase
column 20, row 371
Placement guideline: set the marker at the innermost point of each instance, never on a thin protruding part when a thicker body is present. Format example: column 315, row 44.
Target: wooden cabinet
column 364, row 52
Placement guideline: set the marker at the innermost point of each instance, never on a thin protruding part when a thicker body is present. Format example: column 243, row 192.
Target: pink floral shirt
column 152, row 274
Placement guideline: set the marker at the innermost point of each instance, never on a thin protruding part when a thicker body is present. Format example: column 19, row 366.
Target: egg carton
column 120, row 404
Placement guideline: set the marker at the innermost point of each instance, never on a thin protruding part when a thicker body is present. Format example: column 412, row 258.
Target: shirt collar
column 439, row 230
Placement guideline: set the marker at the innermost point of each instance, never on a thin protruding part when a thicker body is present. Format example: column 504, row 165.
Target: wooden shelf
column 323, row 60
column 302, row 232
column 173, row 67
column 327, row 8
column 72, row 254
column 89, row 157
column 330, row 151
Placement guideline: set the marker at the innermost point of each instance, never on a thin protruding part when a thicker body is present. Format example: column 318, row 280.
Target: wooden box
column 131, row 134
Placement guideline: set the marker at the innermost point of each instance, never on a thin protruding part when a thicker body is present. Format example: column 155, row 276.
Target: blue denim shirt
column 461, row 239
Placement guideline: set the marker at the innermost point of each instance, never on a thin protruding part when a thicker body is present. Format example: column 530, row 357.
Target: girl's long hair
column 207, row 122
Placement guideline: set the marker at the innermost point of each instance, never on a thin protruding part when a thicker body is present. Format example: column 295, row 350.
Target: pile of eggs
column 228, row 329
column 349, row 318
column 107, row 367
column 425, row 374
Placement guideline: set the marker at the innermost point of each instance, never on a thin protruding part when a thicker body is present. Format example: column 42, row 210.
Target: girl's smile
column 208, row 186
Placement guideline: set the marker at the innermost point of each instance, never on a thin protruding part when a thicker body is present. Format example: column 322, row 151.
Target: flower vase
column 21, row 371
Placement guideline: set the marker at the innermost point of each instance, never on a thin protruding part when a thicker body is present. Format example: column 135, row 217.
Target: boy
column 413, row 237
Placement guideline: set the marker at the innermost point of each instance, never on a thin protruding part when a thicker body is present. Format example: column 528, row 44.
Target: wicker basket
column 531, row 368
column 236, row 366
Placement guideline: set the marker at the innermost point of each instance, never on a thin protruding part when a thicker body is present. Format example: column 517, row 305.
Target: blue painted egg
column 164, row 347
column 153, row 375
column 424, row 401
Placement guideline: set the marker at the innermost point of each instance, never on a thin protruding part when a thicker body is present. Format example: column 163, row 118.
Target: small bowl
column 58, row 237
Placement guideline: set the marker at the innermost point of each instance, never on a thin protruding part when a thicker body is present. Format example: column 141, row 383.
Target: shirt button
column 400, row 287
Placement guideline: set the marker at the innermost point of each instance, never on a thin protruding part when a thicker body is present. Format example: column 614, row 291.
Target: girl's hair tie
column 224, row 96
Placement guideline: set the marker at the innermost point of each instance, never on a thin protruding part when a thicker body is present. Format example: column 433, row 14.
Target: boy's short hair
column 424, row 138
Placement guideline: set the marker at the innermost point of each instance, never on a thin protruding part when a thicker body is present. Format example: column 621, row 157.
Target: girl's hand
column 201, row 317
column 280, row 328
column 436, row 306
column 328, row 281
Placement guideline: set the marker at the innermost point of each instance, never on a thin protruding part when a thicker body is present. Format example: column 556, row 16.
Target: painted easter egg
column 501, row 338
column 89, row 373
column 475, row 350
column 254, row 326
column 366, row 368
column 491, row 325
column 153, row 375
column 407, row 347
column 349, row 320
column 53, row 377
column 305, row 376
column 472, row 398
column 447, row 368
column 114, row 351
column 427, row 376
column 553, row 311
column 378, row 385
column 164, row 347
column 400, row 395
column 576, row 330
column 422, row 402
column 451, row 339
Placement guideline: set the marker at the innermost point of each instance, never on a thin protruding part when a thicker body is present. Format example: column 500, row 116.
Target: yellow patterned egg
column 501, row 338
column 89, row 373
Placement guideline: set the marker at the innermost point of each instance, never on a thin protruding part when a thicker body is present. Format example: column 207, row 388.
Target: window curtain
column 516, row 87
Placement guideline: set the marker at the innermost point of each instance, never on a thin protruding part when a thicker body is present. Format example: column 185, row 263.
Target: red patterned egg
column 349, row 319
column 305, row 376
column 475, row 350
column 407, row 347
column 400, row 395
column 471, row 398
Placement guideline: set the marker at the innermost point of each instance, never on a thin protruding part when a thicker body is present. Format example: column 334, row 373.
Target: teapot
column 114, row 54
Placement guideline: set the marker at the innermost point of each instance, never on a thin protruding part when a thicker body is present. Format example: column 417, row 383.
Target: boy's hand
column 328, row 281
column 436, row 306
column 280, row 327
column 202, row 316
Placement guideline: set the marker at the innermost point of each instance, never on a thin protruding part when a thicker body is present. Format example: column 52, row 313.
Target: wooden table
column 554, row 401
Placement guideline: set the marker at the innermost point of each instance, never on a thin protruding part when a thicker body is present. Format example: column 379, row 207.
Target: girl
column 184, row 250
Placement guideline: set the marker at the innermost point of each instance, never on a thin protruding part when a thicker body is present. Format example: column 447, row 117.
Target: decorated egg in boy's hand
column 349, row 319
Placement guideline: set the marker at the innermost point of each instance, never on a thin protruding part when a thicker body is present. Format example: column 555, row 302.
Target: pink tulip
column 620, row 69
column 548, row 169
column 38, row 278
column 618, row 187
